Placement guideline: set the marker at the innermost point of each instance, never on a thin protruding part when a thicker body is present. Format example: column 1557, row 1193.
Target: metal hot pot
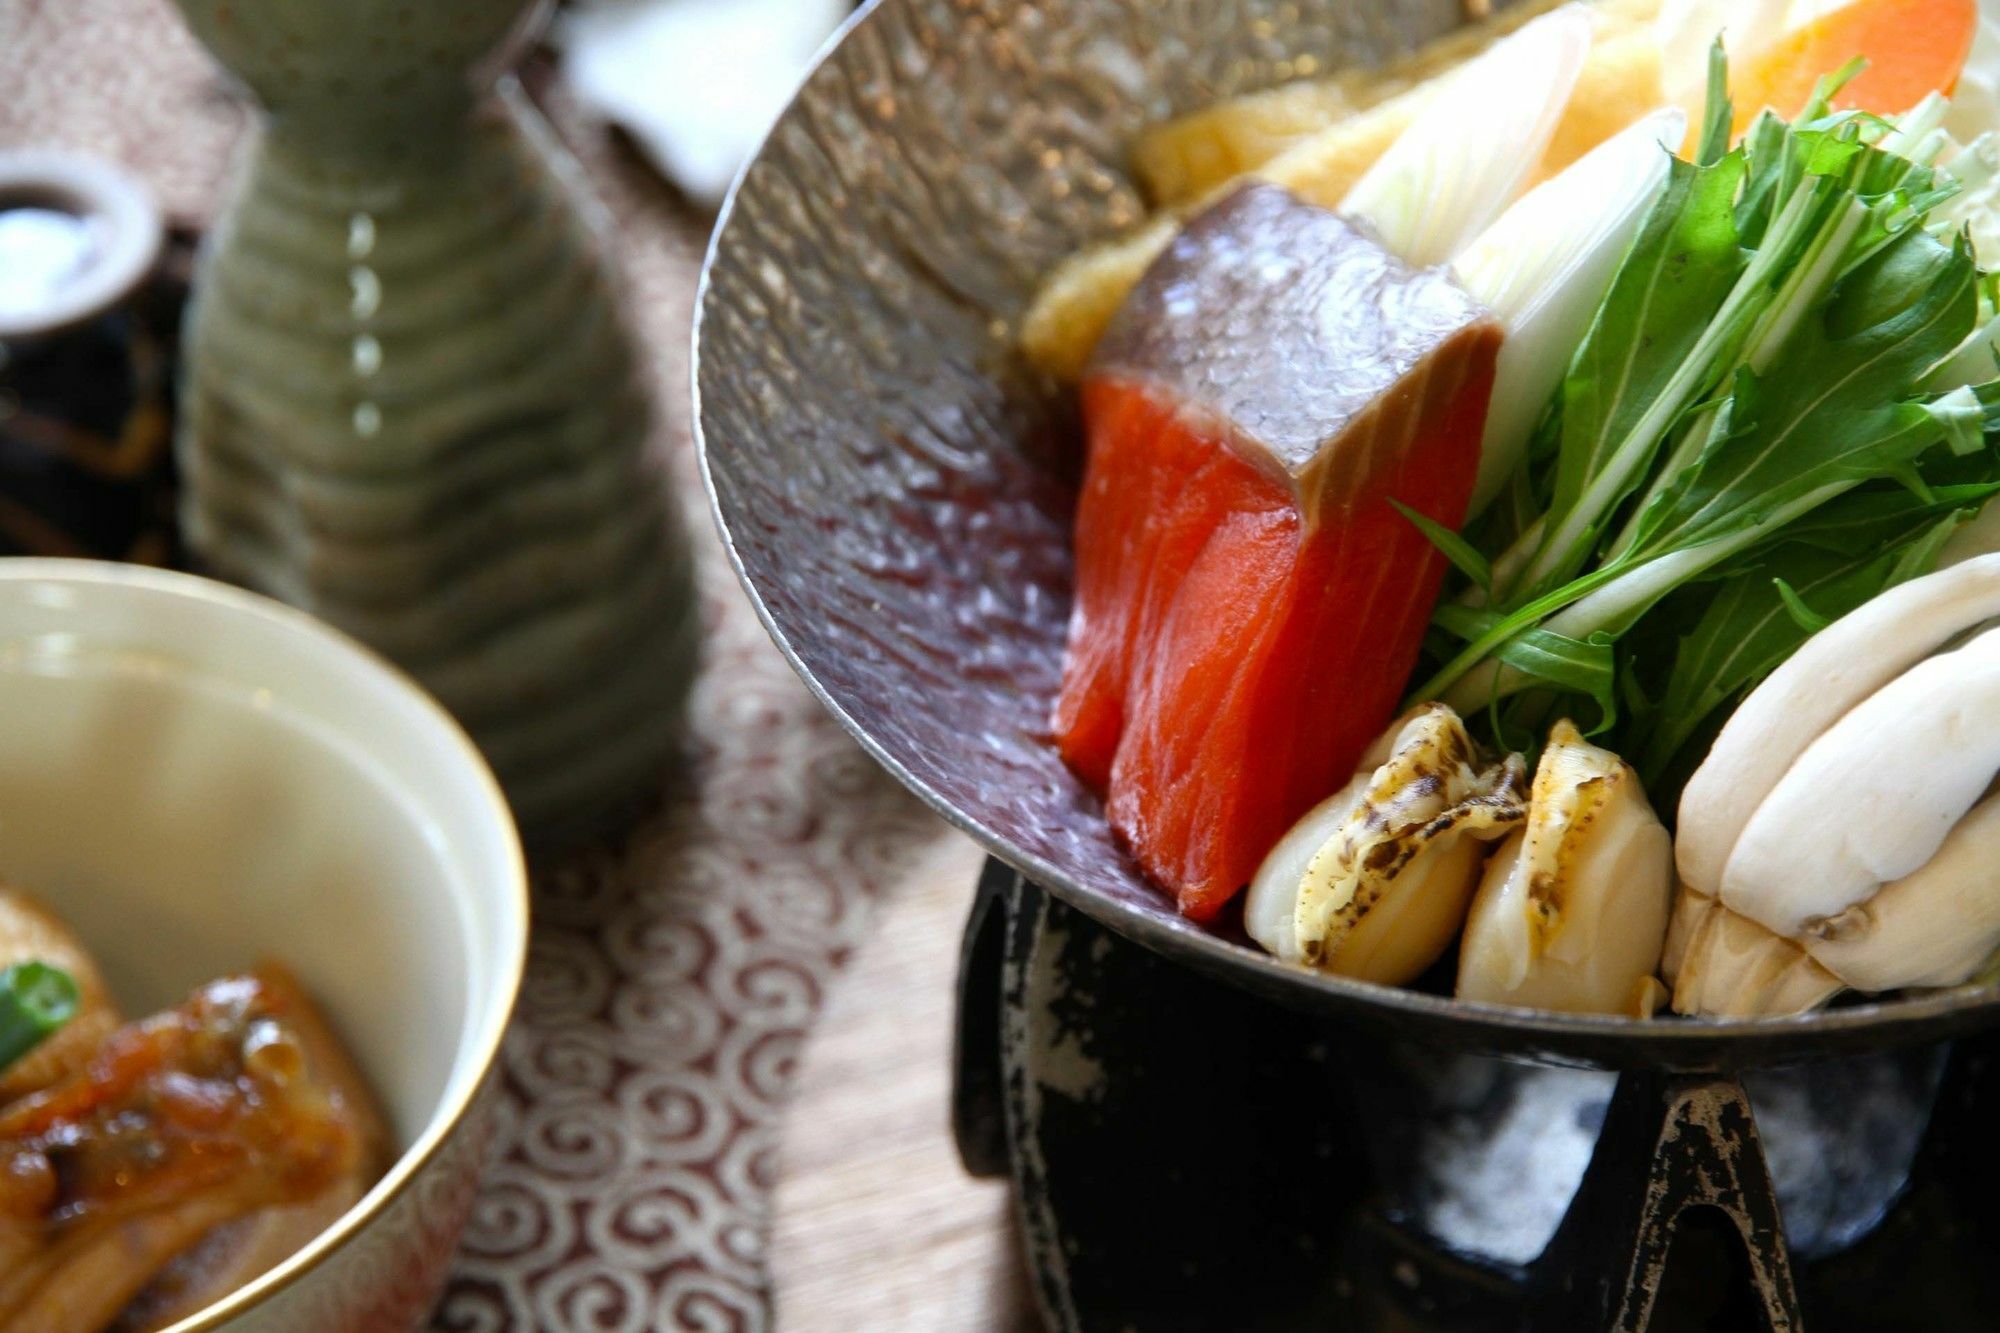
column 895, row 486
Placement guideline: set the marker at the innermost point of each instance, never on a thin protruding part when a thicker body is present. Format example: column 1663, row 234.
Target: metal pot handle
column 1671, row 1144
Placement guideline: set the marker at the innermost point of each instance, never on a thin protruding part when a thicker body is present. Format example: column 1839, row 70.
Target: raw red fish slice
column 1153, row 518
column 1249, row 603
column 1090, row 714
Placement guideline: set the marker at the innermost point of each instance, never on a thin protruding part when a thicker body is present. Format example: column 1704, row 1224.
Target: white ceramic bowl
column 197, row 778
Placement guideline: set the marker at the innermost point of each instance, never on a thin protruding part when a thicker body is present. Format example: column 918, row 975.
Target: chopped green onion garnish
column 35, row 1000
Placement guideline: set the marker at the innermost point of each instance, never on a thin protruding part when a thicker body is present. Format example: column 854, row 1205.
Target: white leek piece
column 1543, row 268
column 1572, row 912
column 1476, row 143
column 1373, row 882
column 1686, row 29
column 1975, row 100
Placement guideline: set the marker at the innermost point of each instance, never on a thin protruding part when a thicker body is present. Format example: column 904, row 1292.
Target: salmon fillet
column 1249, row 601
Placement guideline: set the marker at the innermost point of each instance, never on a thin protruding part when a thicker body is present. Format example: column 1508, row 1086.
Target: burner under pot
column 1189, row 1156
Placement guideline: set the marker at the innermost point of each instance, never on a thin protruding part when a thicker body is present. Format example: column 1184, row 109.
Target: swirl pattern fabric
column 673, row 978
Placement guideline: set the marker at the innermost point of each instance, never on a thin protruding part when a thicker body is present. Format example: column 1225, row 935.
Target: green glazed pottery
column 411, row 406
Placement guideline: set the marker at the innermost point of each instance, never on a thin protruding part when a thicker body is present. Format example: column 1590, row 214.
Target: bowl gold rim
column 451, row 1114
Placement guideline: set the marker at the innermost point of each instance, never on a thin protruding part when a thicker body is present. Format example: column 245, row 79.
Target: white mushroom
column 1572, row 912
column 1728, row 966
column 1835, row 670
column 1844, row 831
column 1373, row 882
column 1936, row 926
column 1874, row 797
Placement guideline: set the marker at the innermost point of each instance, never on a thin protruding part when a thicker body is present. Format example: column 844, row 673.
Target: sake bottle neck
column 412, row 135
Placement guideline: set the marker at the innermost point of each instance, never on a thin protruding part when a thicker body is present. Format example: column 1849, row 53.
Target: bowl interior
column 198, row 780
column 895, row 486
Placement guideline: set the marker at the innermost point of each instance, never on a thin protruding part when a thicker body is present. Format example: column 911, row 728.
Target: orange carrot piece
column 1913, row 48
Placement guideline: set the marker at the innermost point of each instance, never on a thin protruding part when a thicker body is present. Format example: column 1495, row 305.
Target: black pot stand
column 1188, row 1156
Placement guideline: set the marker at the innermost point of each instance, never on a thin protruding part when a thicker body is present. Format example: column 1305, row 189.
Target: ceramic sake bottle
column 410, row 405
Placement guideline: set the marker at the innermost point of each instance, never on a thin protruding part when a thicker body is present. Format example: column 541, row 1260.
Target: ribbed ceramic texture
column 411, row 404
column 896, row 486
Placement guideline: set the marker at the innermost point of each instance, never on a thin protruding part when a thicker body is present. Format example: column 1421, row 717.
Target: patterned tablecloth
column 673, row 976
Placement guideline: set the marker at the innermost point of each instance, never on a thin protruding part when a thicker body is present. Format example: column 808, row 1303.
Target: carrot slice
column 1913, row 48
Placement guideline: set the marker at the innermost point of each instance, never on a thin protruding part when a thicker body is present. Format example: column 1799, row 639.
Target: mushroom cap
column 1936, row 926
column 1835, row 670
column 1874, row 797
column 1732, row 967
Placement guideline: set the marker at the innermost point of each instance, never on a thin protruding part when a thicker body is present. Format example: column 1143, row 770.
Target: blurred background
column 678, row 963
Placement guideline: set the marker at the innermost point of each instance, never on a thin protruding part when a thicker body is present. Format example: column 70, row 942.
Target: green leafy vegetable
column 1831, row 563
column 1818, row 419
column 1640, row 365
column 1750, row 440
column 1807, row 619
column 1463, row 555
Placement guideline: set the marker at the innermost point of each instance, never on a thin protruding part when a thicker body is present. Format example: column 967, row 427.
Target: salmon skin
column 1249, row 603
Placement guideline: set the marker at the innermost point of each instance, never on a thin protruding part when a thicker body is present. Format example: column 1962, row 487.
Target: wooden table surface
column 674, row 978
column 877, row 1227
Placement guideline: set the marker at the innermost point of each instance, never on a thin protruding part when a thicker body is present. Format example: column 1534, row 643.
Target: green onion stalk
column 1749, row 441
column 35, row 1001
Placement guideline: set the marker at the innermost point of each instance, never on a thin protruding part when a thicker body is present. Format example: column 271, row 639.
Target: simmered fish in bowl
column 150, row 1168
column 262, row 918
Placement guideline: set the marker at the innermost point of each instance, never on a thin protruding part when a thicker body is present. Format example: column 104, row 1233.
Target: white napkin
column 695, row 82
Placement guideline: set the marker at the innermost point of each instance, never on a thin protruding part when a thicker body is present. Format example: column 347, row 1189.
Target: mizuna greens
column 1748, row 442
